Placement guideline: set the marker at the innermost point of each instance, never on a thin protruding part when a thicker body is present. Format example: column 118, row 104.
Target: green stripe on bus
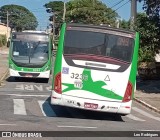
column 132, row 76
column 88, row 85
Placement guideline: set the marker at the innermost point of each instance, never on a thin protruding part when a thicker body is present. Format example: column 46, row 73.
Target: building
column 4, row 30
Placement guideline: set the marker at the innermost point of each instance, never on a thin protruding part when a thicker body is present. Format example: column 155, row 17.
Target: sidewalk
column 3, row 62
column 148, row 93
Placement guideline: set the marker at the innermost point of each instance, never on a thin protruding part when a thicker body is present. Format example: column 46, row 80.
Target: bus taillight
column 57, row 83
column 128, row 93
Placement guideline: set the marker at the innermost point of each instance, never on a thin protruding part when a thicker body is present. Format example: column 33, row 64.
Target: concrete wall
column 3, row 30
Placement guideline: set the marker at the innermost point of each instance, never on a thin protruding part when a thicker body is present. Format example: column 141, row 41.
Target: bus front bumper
column 15, row 73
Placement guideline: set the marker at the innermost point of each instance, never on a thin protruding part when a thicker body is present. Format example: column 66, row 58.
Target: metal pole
column 117, row 23
column 64, row 10
column 133, row 13
column 7, row 25
column 53, row 28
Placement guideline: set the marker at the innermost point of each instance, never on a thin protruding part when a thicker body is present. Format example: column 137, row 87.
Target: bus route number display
column 30, row 37
column 123, row 41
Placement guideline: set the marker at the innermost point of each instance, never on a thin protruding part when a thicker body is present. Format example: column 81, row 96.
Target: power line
column 117, row 3
column 36, row 8
column 37, row 11
column 122, row 5
column 119, row 7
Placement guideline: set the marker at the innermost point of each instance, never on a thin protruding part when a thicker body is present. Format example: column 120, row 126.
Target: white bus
column 95, row 68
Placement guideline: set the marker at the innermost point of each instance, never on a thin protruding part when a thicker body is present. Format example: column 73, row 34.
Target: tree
column 83, row 11
column 125, row 24
column 152, row 7
column 149, row 38
column 90, row 12
column 57, row 11
column 19, row 17
column 149, row 27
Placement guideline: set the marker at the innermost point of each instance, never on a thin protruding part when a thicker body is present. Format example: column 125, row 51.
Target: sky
column 38, row 9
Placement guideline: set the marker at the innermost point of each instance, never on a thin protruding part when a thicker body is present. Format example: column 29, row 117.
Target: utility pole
column 49, row 10
column 53, row 27
column 133, row 13
column 117, row 23
column 7, row 25
column 64, row 10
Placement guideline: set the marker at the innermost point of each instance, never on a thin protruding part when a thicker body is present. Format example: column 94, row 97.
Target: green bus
column 30, row 55
column 95, row 68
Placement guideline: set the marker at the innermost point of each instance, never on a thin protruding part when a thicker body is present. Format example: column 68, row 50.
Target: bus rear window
column 98, row 43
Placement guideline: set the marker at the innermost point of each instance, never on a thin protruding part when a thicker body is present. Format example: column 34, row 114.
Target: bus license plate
column 28, row 75
column 90, row 105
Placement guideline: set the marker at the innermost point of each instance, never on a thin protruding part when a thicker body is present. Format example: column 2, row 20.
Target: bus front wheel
column 17, row 78
column 45, row 80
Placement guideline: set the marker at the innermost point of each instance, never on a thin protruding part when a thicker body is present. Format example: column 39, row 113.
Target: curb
column 4, row 76
column 147, row 105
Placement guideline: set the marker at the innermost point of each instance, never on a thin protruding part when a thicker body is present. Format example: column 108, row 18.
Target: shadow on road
column 30, row 80
column 68, row 112
column 148, row 86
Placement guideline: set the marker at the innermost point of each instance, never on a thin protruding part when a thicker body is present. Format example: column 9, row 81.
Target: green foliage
column 146, row 55
column 90, row 12
column 151, row 7
column 3, row 40
column 56, row 6
column 149, row 38
column 125, row 24
column 19, row 17
column 57, row 11
column 84, row 11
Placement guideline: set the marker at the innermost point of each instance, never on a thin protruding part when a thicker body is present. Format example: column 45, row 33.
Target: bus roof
column 34, row 31
column 30, row 36
column 100, row 27
column 22, row 33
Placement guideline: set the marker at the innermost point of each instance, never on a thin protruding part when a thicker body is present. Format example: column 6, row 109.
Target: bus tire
column 17, row 78
column 45, row 80
column 123, row 114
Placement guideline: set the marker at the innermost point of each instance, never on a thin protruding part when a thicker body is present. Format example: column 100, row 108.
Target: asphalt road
column 25, row 106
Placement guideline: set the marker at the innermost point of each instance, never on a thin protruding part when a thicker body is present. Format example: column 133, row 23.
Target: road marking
column 46, row 109
column 68, row 126
column 134, row 118
column 19, row 107
column 7, row 124
column 145, row 113
column 26, row 95
column 148, row 130
column 32, row 87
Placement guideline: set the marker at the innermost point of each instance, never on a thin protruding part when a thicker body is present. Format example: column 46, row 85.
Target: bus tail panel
column 95, row 68
column 97, row 84
column 90, row 104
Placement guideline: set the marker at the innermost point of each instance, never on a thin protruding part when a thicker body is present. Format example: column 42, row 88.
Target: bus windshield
column 30, row 53
column 99, row 43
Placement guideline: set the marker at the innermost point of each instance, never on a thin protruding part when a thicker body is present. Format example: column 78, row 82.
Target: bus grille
column 32, row 74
